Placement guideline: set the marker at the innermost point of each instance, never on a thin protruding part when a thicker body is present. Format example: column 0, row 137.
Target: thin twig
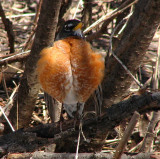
column 79, row 3
column 11, row 98
column 110, row 15
column 133, row 149
column 21, row 53
column 111, row 141
column 115, row 56
column 21, row 15
column 7, row 119
column 38, row 12
column 127, row 133
column 79, row 137
column 20, row 9
column 96, row 23
column 16, row 68
column 9, row 29
column 36, row 118
column 15, row 57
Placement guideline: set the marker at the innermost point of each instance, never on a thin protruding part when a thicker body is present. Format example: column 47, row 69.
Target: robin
column 70, row 71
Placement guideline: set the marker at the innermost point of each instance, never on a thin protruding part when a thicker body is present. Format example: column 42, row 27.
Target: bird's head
column 71, row 28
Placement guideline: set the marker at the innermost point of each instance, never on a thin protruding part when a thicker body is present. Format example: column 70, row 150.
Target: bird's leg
column 75, row 120
column 78, row 142
column 61, row 119
column 77, row 115
column 80, row 116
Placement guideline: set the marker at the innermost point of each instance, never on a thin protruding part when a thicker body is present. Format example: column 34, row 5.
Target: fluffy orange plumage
column 70, row 64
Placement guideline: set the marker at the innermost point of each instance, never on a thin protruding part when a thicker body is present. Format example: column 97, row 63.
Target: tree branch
column 35, row 138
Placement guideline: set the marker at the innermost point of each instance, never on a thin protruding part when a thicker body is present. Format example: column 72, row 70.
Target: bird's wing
column 98, row 97
column 54, row 107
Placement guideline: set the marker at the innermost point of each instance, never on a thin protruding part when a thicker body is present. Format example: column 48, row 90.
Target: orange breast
column 70, row 58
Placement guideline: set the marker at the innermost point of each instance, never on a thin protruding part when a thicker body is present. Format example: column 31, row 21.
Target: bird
column 70, row 71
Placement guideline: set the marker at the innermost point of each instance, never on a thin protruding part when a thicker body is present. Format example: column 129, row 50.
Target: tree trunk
column 131, row 50
column 22, row 109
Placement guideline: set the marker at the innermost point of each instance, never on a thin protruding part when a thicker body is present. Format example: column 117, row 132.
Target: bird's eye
column 68, row 27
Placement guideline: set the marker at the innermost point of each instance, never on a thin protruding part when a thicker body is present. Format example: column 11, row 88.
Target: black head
column 71, row 28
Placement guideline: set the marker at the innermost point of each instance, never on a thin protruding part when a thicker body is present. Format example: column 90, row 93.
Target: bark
column 131, row 50
column 29, row 86
column 44, row 136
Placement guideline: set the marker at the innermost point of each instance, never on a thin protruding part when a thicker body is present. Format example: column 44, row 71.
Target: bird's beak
column 79, row 26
